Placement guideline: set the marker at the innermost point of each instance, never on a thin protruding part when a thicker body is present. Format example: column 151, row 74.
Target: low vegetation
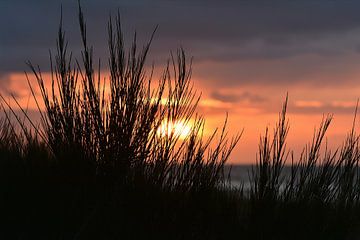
column 97, row 167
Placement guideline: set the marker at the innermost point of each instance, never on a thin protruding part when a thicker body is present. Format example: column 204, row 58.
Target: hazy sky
column 247, row 55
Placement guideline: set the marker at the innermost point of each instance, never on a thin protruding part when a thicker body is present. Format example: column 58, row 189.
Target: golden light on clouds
column 344, row 104
column 306, row 108
column 314, row 104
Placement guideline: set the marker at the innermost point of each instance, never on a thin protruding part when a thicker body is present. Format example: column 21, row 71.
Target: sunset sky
column 247, row 55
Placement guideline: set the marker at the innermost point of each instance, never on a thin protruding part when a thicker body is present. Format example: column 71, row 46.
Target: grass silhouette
column 96, row 167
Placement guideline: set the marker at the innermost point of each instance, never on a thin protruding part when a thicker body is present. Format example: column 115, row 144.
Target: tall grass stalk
column 109, row 129
column 98, row 165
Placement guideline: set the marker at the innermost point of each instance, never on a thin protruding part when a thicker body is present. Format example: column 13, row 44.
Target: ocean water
column 240, row 175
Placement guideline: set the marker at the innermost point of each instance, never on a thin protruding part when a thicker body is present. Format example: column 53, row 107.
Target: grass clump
column 107, row 163
column 97, row 165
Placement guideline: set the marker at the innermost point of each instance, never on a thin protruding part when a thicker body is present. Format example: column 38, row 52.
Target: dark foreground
column 44, row 200
column 95, row 168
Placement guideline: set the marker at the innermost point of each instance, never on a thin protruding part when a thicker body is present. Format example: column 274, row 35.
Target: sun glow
column 179, row 129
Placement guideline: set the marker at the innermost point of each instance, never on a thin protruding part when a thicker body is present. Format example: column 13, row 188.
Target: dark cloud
column 293, row 108
column 326, row 108
column 9, row 94
column 34, row 115
column 210, row 110
column 235, row 98
column 4, row 80
column 307, row 70
column 230, row 31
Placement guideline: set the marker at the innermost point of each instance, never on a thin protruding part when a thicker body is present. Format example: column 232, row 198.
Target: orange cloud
column 313, row 104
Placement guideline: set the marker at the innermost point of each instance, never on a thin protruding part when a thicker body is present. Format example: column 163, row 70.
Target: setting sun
column 179, row 129
column 189, row 120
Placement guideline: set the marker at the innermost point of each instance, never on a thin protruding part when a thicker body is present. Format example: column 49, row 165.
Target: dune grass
column 97, row 167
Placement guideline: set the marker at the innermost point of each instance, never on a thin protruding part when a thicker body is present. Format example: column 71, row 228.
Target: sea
column 240, row 175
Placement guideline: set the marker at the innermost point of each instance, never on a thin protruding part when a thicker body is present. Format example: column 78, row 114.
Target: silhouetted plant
column 266, row 176
column 99, row 166
column 110, row 129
